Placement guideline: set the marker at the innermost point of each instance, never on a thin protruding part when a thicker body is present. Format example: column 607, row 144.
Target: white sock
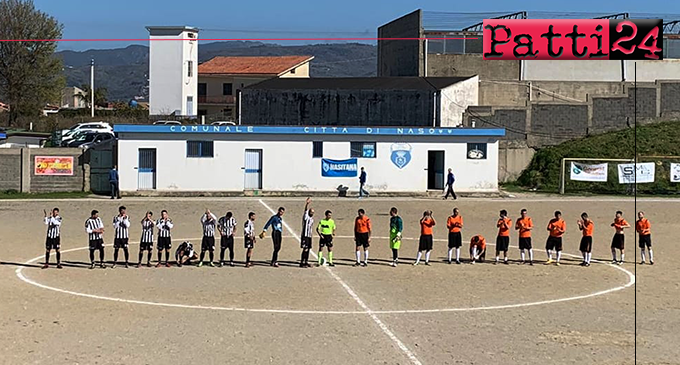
column 588, row 256
column 458, row 254
column 427, row 256
column 365, row 255
column 474, row 252
column 496, row 258
column 531, row 254
column 585, row 256
column 614, row 254
column 449, row 254
column 622, row 257
column 549, row 254
column 521, row 254
column 420, row 254
column 642, row 254
column 559, row 255
column 358, row 255
column 505, row 257
column 651, row 255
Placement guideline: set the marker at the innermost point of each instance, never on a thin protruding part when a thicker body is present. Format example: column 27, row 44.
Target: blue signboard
column 339, row 168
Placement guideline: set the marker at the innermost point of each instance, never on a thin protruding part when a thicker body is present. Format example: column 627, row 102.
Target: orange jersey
column 618, row 225
column 481, row 244
column 643, row 227
column 588, row 228
column 426, row 226
column 454, row 224
column 523, row 224
column 504, row 225
column 557, row 227
column 362, row 225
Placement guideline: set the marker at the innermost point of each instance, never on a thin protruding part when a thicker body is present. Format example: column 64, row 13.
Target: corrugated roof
column 359, row 83
column 274, row 65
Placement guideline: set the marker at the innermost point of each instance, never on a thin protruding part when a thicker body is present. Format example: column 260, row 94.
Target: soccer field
column 437, row 314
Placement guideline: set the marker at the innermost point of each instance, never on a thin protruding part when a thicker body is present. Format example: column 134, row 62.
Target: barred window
column 200, row 148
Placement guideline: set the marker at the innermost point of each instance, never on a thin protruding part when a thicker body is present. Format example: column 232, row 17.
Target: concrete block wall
column 18, row 171
column 401, row 57
column 10, row 167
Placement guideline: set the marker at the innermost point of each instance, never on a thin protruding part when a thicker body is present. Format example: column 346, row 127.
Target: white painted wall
column 456, row 98
column 289, row 166
column 169, row 84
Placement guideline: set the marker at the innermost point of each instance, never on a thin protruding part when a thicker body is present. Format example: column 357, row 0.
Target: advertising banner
column 629, row 173
column 675, row 172
column 54, row 165
column 584, row 172
column 339, row 168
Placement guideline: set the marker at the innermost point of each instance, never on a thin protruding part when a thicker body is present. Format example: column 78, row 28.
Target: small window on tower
column 190, row 72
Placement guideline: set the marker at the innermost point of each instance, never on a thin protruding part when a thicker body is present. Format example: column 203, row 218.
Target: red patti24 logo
column 573, row 39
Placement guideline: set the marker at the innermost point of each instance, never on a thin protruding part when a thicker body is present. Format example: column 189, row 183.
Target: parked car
column 68, row 135
column 167, row 122
column 101, row 138
column 90, row 137
column 222, row 123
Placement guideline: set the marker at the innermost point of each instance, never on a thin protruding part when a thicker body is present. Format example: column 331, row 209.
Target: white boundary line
column 360, row 302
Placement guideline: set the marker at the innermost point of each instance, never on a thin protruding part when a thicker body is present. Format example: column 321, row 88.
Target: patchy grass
column 13, row 194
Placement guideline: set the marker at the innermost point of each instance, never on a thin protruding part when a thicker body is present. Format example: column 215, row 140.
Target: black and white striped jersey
column 53, row 226
column 307, row 224
column 164, row 226
column 209, row 222
column 121, row 225
column 147, row 231
column 90, row 225
column 227, row 226
column 249, row 228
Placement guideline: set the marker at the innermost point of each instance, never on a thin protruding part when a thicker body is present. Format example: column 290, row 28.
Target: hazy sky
column 279, row 19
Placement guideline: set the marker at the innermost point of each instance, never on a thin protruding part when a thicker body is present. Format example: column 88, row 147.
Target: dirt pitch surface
column 437, row 314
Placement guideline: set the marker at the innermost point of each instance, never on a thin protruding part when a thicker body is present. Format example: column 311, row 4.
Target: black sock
column 222, row 254
column 212, row 256
column 167, row 256
column 148, row 257
column 202, row 256
column 58, row 257
column 141, row 254
column 115, row 256
column 101, row 256
column 47, row 257
column 302, row 257
column 127, row 254
column 395, row 254
column 92, row 256
column 231, row 254
column 159, row 256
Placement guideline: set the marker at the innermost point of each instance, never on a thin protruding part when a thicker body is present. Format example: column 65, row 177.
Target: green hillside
column 659, row 139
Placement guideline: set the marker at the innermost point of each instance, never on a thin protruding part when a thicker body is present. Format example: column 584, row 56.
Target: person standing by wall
column 362, row 183
column 450, row 179
column 113, row 181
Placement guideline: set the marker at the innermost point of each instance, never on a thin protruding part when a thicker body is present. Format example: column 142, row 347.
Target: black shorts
column 525, row 243
column 164, row 243
column 55, row 243
column 120, row 243
column 306, row 243
column 425, row 242
column 208, row 244
column 618, row 241
column 227, row 242
column 146, row 246
column 326, row 240
column 455, row 239
column 554, row 243
column 645, row 240
column 502, row 243
column 586, row 244
column 97, row 244
column 248, row 242
column 361, row 239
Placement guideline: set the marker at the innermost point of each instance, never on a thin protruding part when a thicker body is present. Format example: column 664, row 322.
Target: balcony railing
column 222, row 99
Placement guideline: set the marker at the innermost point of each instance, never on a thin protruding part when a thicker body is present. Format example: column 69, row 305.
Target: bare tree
column 30, row 74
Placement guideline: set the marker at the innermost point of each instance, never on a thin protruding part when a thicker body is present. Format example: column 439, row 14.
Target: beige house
column 221, row 79
column 70, row 99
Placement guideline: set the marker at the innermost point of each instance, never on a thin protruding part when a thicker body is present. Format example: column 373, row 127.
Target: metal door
column 253, row 170
column 147, row 169
column 435, row 170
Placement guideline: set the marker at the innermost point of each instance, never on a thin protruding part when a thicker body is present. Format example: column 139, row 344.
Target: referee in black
column 53, row 240
column 95, row 234
column 121, row 225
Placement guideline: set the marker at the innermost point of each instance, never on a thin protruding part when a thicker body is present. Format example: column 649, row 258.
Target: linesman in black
column 121, row 226
column 95, row 234
column 53, row 240
column 146, row 242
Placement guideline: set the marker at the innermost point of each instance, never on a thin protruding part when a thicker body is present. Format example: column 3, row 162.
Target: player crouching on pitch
column 53, row 240
column 477, row 249
column 185, row 253
column 209, row 222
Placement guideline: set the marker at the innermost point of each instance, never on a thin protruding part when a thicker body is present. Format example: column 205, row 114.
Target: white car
column 222, row 123
column 167, row 122
column 68, row 134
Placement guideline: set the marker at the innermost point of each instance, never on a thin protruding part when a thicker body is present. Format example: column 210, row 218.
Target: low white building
column 202, row 158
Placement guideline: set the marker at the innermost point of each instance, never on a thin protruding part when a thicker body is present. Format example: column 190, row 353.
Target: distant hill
column 124, row 71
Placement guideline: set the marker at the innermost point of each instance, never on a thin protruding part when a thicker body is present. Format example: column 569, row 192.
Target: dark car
column 90, row 137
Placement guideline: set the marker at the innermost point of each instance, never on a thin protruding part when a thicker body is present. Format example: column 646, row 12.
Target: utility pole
column 92, row 88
